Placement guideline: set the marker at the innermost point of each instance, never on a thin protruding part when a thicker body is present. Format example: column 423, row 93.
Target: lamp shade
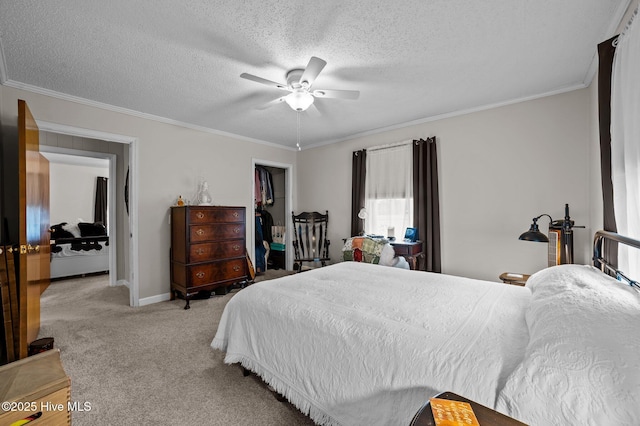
column 299, row 100
column 534, row 234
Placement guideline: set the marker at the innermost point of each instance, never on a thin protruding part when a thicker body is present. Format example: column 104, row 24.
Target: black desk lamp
column 562, row 232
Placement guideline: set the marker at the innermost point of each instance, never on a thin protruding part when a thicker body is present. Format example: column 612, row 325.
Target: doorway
column 123, row 262
column 279, row 210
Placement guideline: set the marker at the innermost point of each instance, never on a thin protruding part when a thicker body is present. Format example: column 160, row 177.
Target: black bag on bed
column 92, row 229
column 58, row 232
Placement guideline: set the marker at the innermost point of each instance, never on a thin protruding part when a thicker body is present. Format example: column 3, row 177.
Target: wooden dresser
column 207, row 249
column 35, row 386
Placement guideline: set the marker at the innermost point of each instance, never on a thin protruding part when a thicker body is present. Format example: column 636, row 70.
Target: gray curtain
column 426, row 204
column 358, row 175
column 100, row 209
column 606, row 51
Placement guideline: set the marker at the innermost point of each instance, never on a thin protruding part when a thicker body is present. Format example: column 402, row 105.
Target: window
column 388, row 191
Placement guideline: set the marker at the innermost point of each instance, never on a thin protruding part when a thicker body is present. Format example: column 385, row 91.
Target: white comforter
column 361, row 344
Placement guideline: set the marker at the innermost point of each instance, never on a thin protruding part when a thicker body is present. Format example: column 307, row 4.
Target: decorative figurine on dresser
column 207, row 249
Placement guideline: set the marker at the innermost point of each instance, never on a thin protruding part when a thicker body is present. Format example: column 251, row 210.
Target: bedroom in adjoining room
column 78, row 215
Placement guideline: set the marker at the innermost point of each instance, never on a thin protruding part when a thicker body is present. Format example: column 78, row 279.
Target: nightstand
column 514, row 278
column 412, row 251
column 485, row 415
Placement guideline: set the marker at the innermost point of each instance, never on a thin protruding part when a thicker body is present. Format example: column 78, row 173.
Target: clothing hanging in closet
column 261, row 251
column 264, row 187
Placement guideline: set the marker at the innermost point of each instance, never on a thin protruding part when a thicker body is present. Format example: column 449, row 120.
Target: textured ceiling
column 411, row 60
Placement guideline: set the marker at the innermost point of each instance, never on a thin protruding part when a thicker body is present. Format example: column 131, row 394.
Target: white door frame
column 288, row 197
column 134, row 297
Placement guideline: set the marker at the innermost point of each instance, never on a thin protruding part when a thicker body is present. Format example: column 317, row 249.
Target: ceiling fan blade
column 264, row 81
column 313, row 111
column 312, row 70
column 272, row 103
column 339, row 94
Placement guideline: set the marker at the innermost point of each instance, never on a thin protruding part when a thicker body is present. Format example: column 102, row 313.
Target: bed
column 78, row 249
column 363, row 344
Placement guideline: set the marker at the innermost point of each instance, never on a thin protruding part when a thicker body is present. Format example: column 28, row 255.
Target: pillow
column 92, row 229
column 581, row 365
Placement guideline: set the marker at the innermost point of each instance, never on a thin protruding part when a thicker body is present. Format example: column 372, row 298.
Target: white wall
column 170, row 159
column 498, row 169
column 72, row 191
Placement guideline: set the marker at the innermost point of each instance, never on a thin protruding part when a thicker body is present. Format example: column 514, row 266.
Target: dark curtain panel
column 358, row 174
column 606, row 51
column 426, row 205
column 100, row 210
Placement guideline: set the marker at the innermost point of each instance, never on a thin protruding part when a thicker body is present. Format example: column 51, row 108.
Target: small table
column 412, row 251
column 485, row 415
column 514, row 278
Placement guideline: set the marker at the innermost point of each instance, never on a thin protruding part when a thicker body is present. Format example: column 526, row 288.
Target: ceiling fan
column 299, row 82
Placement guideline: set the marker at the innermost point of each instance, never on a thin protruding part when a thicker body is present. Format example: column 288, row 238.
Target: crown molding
column 449, row 115
column 130, row 112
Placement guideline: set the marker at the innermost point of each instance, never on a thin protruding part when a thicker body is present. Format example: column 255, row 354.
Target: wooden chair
column 310, row 238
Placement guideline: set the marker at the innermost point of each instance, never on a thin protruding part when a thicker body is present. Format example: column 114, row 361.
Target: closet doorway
column 272, row 208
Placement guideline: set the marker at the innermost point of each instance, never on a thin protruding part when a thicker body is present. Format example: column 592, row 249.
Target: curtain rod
column 390, row 145
column 630, row 22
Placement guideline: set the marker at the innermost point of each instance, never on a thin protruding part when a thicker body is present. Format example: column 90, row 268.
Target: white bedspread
column 361, row 344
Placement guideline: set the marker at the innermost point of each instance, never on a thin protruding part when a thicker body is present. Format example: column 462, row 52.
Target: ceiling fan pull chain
column 298, row 127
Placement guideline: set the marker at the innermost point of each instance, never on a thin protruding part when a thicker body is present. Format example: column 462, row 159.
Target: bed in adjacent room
column 78, row 249
column 363, row 344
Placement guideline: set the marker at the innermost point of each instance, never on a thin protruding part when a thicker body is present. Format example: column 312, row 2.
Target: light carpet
column 152, row 365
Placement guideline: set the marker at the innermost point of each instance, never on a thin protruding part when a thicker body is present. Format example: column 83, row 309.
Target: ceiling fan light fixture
column 299, row 100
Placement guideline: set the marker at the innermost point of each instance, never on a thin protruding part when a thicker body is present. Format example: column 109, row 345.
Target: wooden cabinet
column 36, row 386
column 207, row 249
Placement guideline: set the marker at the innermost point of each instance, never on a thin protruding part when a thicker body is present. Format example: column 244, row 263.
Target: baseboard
column 124, row 283
column 154, row 299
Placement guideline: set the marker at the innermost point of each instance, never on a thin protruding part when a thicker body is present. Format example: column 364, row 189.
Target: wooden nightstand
column 485, row 415
column 514, row 278
column 410, row 251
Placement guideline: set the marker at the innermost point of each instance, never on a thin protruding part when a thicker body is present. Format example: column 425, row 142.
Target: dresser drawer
column 216, row 215
column 216, row 271
column 217, row 231
column 204, row 252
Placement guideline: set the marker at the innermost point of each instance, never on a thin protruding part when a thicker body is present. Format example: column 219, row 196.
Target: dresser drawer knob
column 199, row 251
column 236, row 247
column 200, row 275
column 236, row 268
column 236, row 230
column 200, row 215
column 200, row 232
column 235, row 214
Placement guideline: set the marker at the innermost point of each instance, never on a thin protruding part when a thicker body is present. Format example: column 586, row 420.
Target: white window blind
column 389, row 190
